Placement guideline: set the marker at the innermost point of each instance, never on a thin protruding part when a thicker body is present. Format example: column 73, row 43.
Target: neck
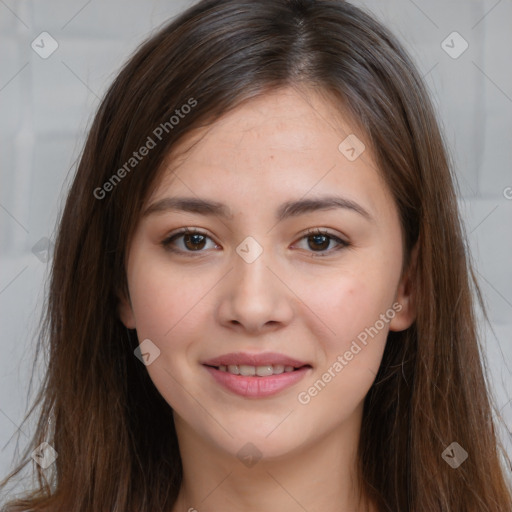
column 319, row 477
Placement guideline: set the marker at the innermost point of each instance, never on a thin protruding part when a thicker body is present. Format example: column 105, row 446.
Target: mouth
column 256, row 375
column 264, row 359
column 257, row 371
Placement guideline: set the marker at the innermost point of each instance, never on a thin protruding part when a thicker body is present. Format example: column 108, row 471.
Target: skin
column 279, row 147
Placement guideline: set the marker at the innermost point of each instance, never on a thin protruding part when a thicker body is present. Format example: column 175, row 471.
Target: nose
column 254, row 297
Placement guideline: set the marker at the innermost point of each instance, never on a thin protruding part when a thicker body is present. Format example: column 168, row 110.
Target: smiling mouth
column 257, row 371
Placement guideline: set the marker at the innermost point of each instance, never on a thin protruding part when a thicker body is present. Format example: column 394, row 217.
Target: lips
column 256, row 375
column 263, row 359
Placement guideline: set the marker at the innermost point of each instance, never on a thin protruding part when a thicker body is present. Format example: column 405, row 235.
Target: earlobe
column 405, row 296
column 125, row 312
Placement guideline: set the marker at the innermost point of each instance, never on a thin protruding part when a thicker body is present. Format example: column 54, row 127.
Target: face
column 268, row 248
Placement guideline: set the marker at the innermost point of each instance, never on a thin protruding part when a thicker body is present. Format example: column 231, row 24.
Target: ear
column 125, row 311
column 405, row 296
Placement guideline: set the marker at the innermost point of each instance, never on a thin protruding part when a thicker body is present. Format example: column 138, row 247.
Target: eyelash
column 166, row 243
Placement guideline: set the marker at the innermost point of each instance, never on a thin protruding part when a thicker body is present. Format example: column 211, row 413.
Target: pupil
column 325, row 238
column 193, row 239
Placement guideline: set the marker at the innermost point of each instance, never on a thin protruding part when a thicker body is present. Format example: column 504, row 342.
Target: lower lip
column 257, row 387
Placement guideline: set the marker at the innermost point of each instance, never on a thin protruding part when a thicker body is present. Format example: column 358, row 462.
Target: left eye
column 319, row 241
column 195, row 241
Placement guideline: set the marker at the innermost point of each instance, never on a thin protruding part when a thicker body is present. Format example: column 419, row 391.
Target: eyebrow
column 285, row 211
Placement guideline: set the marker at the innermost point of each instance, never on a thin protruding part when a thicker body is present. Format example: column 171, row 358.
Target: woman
column 260, row 296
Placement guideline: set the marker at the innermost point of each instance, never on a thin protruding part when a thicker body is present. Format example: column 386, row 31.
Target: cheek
column 359, row 314
column 169, row 311
column 156, row 307
column 357, row 309
column 351, row 302
column 163, row 299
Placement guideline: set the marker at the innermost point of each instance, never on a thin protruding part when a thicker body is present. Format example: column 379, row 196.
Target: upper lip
column 262, row 359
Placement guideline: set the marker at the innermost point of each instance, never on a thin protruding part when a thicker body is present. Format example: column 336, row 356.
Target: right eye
column 190, row 240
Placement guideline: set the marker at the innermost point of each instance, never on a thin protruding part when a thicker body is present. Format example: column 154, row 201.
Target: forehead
column 287, row 120
column 283, row 143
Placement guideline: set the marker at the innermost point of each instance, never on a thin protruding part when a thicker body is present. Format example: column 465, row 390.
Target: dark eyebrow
column 189, row 204
column 295, row 208
column 286, row 210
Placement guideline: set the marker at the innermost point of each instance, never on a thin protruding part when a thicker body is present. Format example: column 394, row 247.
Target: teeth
column 247, row 371
column 233, row 368
column 260, row 371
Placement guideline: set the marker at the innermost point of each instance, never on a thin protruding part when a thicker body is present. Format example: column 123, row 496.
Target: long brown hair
column 113, row 432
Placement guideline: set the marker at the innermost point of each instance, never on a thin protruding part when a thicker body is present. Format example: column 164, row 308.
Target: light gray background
column 46, row 106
